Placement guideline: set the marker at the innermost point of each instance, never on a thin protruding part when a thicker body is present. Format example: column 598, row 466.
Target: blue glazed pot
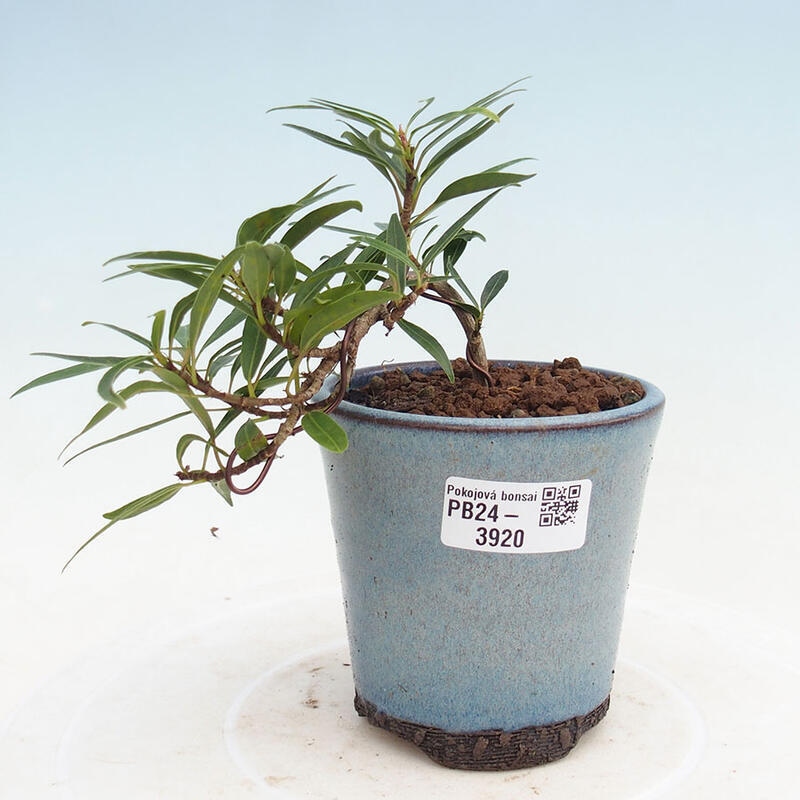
column 490, row 657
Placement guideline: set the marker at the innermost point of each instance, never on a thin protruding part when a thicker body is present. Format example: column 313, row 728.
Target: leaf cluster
column 246, row 349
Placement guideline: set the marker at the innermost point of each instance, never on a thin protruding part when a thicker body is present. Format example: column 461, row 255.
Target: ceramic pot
column 484, row 566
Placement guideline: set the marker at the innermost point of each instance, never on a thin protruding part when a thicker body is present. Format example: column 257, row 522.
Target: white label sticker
column 500, row 517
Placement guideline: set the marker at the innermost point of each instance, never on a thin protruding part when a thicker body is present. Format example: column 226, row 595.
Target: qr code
column 559, row 506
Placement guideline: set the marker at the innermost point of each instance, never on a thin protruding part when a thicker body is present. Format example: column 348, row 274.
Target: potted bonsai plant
column 484, row 512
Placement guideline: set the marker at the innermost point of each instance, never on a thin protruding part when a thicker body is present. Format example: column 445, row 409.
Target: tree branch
column 475, row 351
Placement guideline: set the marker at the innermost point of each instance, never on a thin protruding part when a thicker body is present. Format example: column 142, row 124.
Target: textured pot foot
column 490, row 750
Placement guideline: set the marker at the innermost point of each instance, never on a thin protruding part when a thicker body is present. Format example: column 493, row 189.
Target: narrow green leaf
column 128, row 434
column 359, row 115
column 268, row 382
column 126, row 393
column 105, row 387
column 396, row 239
column 332, row 316
column 166, row 255
column 473, row 311
column 100, row 361
column 58, row 375
column 278, row 362
column 235, row 318
column 256, row 271
column 322, row 275
column 389, row 152
column 456, row 248
column 261, row 226
column 379, row 244
column 157, row 330
column 430, row 344
column 179, row 312
column 428, row 234
column 222, row 358
column 208, row 294
column 507, row 164
column 449, row 149
column 439, row 158
column 325, row 431
column 481, row 182
column 129, row 510
column 85, row 545
column 169, row 272
column 254, row 343
column 477, row 107
column 224, row 491
column 359, row 142
column 184, row 443
column 271, row 377
column 371, row 252
column 285, row 271
column 424, row 105
column 171, row 267
column 455, row 229
column 145, row 503
column 182, row 336
column 315, row 219
column 184, row 391
column 493, row 287
column 124, row 331
column 452, row 252
column 324, row 138
column 377, row 152
column 249, row 441
column 451, row 119
column 298, row 316
column 231, row 415
column 319, row 298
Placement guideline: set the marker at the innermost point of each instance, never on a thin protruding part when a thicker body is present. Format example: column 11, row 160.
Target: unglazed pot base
column 491, row 750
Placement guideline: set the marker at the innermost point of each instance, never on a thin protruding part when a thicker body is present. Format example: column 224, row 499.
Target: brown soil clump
column 521, row 390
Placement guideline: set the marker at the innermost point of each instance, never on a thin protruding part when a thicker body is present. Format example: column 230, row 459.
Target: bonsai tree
column 247, row 350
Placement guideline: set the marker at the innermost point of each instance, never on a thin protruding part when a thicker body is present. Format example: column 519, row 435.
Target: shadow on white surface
column 257, row 701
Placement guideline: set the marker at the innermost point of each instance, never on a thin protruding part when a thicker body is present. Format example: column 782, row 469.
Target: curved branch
column 476, row 351
column 346, row 351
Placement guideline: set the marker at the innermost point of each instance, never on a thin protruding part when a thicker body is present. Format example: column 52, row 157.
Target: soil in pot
column 521, row 390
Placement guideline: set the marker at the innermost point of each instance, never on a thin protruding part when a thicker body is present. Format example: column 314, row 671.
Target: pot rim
column 651, row 403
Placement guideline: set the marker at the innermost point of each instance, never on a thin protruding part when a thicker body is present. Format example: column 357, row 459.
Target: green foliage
column 246, row 351
column 325, row 430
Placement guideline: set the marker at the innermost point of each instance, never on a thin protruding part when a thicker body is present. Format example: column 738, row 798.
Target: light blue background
column 660, row 238
column 666, row 202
